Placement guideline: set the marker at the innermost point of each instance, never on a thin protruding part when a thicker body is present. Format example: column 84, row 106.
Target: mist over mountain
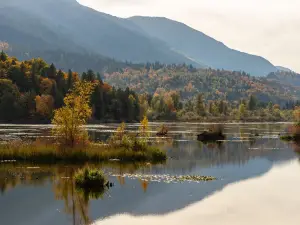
column 65, row 25
column 201, row 47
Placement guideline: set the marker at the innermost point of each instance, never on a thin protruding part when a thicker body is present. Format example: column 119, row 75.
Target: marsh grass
column 39, row 152
column 287, row 138
column 88, row 178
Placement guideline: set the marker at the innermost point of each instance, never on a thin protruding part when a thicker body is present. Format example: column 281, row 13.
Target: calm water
column 258, row 182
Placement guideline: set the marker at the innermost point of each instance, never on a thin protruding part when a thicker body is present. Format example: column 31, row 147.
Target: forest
column 31, row 90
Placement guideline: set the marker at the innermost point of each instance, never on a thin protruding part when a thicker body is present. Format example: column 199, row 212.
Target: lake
column 258, row 181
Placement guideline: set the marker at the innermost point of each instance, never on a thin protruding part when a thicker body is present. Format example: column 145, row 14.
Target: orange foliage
column 44, row 105
column 46, row 86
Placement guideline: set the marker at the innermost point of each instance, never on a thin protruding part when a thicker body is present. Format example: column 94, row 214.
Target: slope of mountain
column 202, row 48
column 96, row 32
column 281, row 68
column 285, row 78
column 26, row 32
column 65, row 25
column 213, row 84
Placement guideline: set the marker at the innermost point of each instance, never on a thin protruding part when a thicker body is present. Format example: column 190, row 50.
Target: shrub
column 90, row 179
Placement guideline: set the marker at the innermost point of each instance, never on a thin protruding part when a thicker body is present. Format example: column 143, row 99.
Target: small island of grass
column 90, row 179
column 71, row 142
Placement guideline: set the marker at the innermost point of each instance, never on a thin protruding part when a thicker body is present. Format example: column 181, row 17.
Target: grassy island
column 52, row 153
column 90, row 179
column 71, row 141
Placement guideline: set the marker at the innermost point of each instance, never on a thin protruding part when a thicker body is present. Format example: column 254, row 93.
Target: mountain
column 26, row 32
column 66, row 25
column 285, row 77
column 202, row 48
column 94, row 31
column 281, row 68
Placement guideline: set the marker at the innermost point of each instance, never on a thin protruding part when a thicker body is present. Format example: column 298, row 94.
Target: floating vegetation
column 166, row 178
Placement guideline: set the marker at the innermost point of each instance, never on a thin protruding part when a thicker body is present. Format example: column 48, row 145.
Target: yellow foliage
column 44, row 105
column 296, row 114
column 46, row 86
column 69, row 120
column 144, row 130
column 120, row 132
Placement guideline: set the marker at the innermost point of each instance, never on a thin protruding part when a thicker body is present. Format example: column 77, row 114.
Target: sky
column 269, row 28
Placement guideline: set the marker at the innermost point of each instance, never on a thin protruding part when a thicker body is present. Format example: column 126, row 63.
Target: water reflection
column 76, row 200
column 270, row 199
column 250, row 151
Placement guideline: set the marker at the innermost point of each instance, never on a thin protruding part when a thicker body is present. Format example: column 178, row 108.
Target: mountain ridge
column 200, row 46
column 82, row 29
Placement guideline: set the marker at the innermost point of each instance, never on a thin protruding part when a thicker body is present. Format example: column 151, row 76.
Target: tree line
column 31, row 90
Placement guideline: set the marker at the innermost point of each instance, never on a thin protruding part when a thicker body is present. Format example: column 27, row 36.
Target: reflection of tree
column 121, row 180
column 10, row 178
column 144, row 185
column 76, row 200
column 75, row 204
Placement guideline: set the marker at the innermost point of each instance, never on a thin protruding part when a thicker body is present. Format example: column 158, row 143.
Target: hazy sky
column 269, row 28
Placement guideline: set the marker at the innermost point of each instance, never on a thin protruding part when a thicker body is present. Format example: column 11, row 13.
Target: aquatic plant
column 287, row 138
column 88, row 178
column 166, row 178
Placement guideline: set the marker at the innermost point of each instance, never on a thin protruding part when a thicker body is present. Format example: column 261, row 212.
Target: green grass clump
column 287, row 138
column 90, row 179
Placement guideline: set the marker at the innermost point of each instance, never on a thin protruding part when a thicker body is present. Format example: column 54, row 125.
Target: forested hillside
column 285, row 77
column 31, row 90
column 213, row 84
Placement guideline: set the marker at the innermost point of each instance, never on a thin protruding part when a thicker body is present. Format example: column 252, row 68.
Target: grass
column 90, row 179
column 52, row 153
column 287, row 138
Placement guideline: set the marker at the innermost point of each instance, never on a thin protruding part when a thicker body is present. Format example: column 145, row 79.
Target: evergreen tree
column 34, row 79
column 221, row 107
column 52, row 71
column 89, row 76
column 200, row 105
column 252, row 103
column 99, row 78
column 60, row 82
column 57, row 96
column 3, row 56
column 70, row 80
column 98, row 102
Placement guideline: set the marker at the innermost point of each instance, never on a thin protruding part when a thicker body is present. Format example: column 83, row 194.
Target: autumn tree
column 296, row 114
column 44, row 105
column 200, row 109
column 69, row 120
column 144, row 130
column 242, row 111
